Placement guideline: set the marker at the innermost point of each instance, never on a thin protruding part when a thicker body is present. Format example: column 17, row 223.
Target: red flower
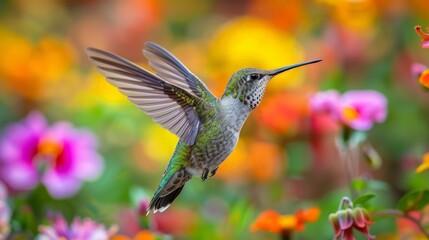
column 345, row 220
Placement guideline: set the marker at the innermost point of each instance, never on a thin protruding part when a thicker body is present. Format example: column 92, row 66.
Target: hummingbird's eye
column 254, row 76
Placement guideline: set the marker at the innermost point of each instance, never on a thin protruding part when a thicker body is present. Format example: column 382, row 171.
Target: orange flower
column 423, row 35
column 283, row 14
column 271, row 221
column 35, row 71
column 421, row 72
column 142, row 235
column 424, row 78
column 356, row 15
column 252, row 161
column 283, row 113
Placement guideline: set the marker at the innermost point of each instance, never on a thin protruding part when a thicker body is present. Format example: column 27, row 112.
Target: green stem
column 286, row 235
column 346, row 134
column 398, row 213
column 345, row 158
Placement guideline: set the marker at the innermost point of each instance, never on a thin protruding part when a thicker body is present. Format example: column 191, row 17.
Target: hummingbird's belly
column 213, row 153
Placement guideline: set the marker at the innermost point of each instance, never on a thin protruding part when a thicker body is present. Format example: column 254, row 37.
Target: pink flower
column 356, row 109
column 424, row 36
column 361, row 109
column 5, row 213
column 417, row 69
column 78, row 230
column 67, row 156
column 326, row 102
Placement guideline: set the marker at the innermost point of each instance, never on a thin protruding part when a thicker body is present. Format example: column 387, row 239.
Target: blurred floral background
column 79, row 161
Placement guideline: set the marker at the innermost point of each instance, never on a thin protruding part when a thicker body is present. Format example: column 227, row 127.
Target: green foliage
column 414, row 200
column 359, row 185
column 363, row 199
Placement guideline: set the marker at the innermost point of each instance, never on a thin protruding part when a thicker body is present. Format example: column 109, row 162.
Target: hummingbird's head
column 248, row 84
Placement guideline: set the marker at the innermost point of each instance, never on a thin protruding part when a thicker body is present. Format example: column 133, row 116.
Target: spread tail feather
column 160, row 204
column 170, row 187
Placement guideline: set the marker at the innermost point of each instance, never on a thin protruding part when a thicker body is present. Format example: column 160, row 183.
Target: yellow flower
column 96, row 89
column 251, row 42
column 425, row 164
column 35, row 71
column 155, row 148
column 159, row 142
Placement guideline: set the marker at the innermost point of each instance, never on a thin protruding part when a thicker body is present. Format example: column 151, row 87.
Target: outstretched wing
column 171, row 69
column 169, row 105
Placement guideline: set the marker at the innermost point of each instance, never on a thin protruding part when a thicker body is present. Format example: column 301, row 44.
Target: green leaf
column 359, row 184
column 414, row 200
column 361, row 200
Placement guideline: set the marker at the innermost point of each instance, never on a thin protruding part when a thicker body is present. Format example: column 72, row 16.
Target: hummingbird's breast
column 218, row 136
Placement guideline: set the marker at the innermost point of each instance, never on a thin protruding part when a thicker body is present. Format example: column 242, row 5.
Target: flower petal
column 345, row 219
column 424, row 78
column 59, row 223
column 348, row 234
column 20, row 176
column 333, row 219
column 60, row 185
column 289, row 223
column 359, row 218
column 89, row 167
column 3, row 192
column 144, row 235
column 425, row 164
column 370, row 107
column 47, row 233
column 326, row 102
column 308, row 215
column 79, row 229
column 267, row 221
column 79, row 158
column 417, row 69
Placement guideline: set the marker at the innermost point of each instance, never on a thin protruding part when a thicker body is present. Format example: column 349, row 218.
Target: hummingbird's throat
column 253, row 98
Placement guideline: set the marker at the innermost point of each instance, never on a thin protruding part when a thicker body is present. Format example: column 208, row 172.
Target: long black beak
column 280, row 70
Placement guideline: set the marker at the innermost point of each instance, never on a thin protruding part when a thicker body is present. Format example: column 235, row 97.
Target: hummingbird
column 208, row 127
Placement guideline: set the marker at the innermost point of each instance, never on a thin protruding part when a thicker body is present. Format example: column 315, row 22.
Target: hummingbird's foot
column 213, row 172
column 205, row 174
